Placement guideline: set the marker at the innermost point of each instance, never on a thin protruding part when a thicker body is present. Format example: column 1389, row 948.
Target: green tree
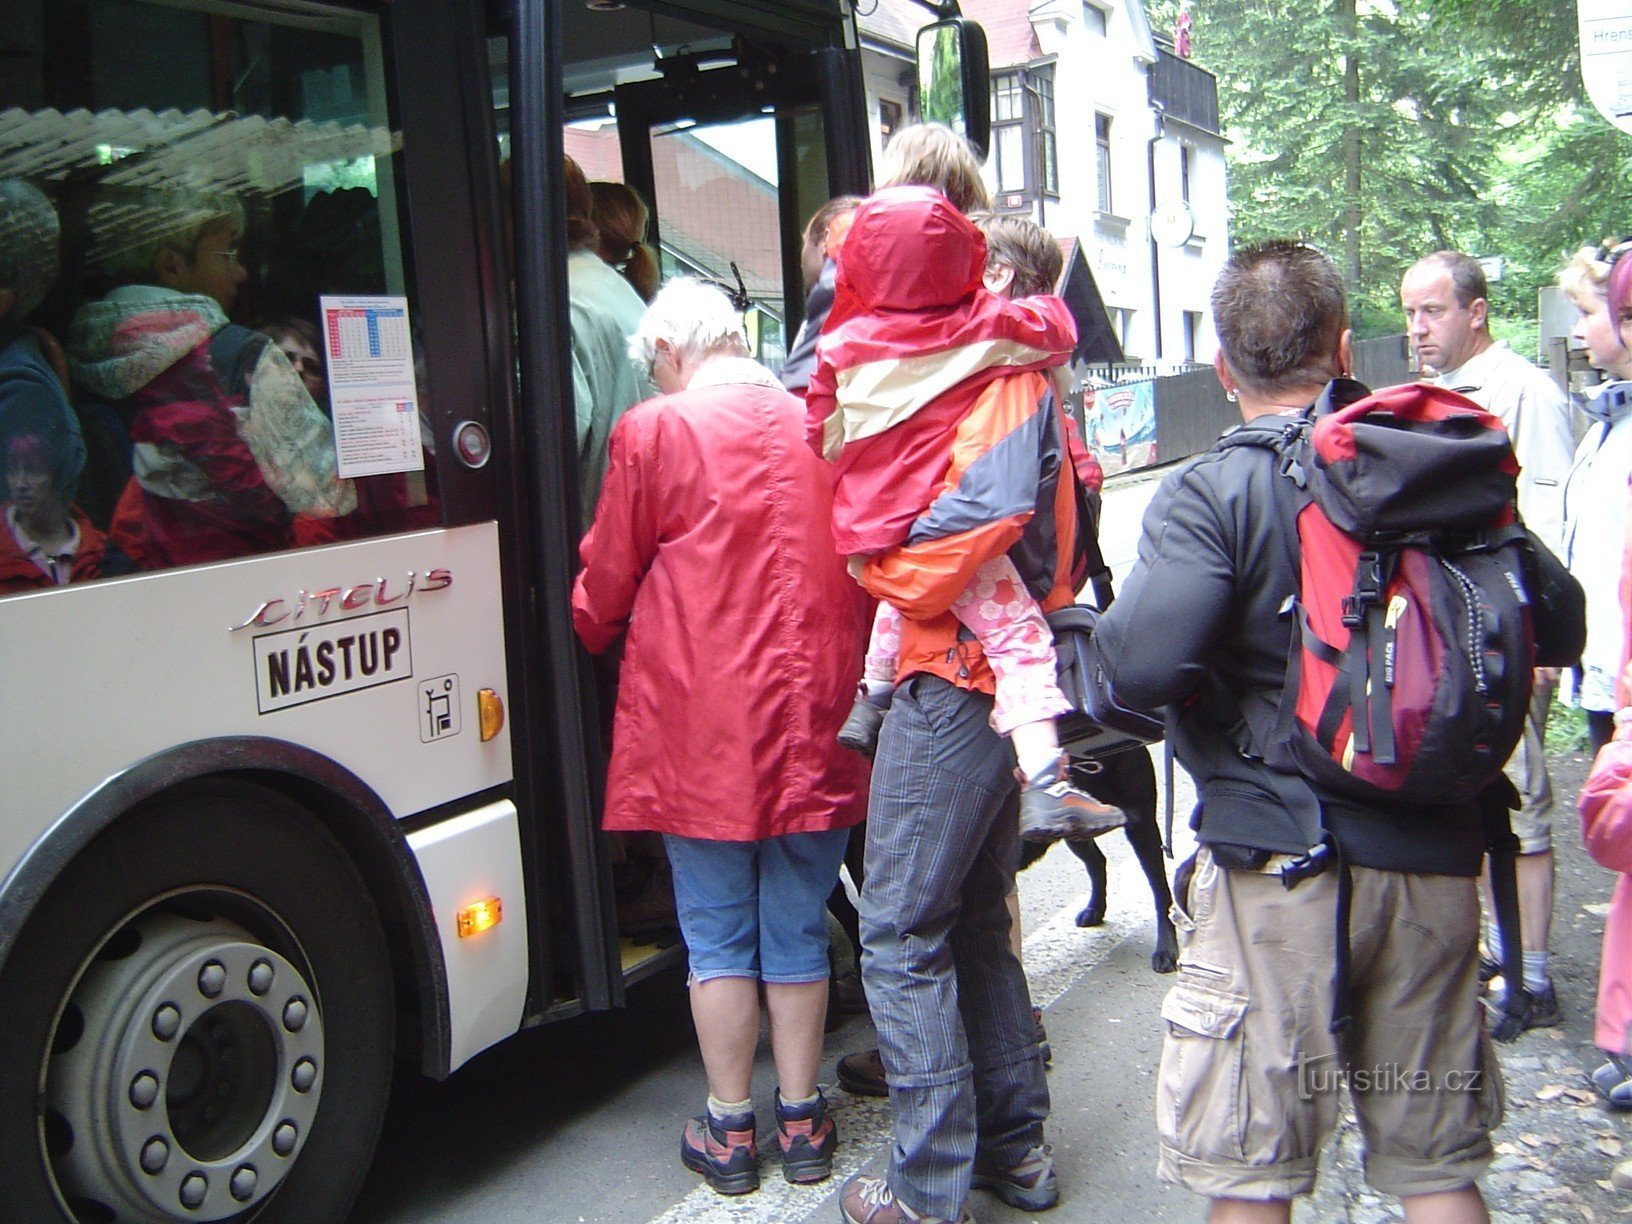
column 1385, row 130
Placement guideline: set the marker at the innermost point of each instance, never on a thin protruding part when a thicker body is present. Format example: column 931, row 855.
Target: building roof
column 1010, row 40
column 1096, row 337
column 1009, row 36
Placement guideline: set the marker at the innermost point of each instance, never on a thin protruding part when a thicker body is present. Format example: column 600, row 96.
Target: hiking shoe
column 860, row 729
column 1042, row 1036
column 807, row 1138
column 723, row 1151
column 862, row 1074
column 1613, row 1082
column 1489, row 970
column 1027, row 1186
column 1536, row 1010
column 869, row 1200
column 1052, row 808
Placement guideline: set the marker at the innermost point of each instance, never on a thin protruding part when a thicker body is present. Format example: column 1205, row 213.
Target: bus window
column 232, row 315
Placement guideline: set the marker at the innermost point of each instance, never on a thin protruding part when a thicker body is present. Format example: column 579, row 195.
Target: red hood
column 910, row 249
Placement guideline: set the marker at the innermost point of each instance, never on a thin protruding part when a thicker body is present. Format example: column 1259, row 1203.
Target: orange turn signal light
column 490, row 709
column 480, row 916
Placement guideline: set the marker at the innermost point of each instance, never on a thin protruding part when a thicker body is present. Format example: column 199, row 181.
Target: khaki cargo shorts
column 1250, row 1078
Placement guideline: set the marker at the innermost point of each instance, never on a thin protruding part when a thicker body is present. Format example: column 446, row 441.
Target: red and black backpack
column 1412, row 648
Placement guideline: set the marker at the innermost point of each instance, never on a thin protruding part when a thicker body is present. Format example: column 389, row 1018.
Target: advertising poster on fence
column 1119, row 424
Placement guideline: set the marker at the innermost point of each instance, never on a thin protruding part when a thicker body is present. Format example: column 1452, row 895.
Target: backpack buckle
column 1368, row 589
column 1306, row 866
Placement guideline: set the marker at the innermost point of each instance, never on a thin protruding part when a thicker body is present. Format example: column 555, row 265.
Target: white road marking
column 1056, row 954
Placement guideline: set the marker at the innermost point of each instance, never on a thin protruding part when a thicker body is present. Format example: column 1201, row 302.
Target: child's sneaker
column 1613, row 1082
column 1051, row 808
column 807, row 1138
column 861, row 726
column 723, row 1151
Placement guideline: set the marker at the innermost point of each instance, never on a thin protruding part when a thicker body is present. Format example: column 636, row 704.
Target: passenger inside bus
column 297, row 339
column 605, row 312
column 46, row 541
column 621, row 218
column 29, row 378
column 228, row 445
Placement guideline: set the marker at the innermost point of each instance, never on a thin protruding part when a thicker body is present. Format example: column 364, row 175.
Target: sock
column 792, row 1103
column 1037, row 749
column 721, row 1110
column 1493, row 943
column 1535, row 972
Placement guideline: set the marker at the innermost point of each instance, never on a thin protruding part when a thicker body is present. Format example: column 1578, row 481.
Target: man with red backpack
column 1329, row 921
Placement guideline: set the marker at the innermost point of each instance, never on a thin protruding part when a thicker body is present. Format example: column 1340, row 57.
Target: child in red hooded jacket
column 919, row 334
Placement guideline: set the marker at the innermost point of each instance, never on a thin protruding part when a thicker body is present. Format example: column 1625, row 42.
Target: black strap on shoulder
column 1502, row 847
column 1096, row 574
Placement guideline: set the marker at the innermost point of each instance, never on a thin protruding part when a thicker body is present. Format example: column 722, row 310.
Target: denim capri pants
column 756, row 909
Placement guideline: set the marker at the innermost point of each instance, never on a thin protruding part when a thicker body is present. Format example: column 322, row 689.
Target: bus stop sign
column 1606, row 57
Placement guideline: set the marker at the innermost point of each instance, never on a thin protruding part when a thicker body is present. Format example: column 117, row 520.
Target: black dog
column 1127, row 779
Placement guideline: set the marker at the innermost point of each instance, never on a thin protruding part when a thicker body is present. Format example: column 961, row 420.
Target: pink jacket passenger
column 1606, row 830
column 712, row 555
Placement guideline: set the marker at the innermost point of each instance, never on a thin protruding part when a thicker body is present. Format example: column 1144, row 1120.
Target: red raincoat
column 712, row 550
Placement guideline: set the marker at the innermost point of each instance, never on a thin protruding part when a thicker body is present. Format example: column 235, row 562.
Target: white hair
column 694, row 316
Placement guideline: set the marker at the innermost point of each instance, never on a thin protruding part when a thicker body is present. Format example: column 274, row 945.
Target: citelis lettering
column 380, row 593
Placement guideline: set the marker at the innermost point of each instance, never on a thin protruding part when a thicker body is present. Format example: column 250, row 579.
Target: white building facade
column 1107, row 137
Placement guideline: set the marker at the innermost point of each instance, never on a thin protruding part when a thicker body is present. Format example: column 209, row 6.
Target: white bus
column 287, row 795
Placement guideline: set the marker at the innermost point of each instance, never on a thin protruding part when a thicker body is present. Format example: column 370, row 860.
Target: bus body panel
column 382, row 681
column 475, row 858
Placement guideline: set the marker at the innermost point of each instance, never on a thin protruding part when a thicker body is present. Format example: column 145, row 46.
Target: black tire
column 253, row 862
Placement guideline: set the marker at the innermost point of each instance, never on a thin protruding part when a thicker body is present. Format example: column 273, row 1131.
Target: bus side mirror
column 954, row 80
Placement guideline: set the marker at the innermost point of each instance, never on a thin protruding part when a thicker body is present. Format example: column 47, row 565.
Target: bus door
column 733, row 119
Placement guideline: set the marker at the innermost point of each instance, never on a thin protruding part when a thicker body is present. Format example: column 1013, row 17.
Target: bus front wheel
column 197, row 1022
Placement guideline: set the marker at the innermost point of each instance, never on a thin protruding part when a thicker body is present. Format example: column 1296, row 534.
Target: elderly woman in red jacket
column 712, row 555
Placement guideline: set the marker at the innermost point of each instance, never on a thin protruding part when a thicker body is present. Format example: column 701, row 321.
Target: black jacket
column 1197, row 629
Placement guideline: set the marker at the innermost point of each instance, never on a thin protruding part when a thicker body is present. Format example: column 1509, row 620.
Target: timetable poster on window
column 371, row 385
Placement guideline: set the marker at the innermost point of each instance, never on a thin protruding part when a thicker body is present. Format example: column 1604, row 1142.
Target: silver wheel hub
column 195, row 1076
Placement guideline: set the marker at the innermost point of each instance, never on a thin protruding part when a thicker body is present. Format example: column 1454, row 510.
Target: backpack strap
column 1502, row 848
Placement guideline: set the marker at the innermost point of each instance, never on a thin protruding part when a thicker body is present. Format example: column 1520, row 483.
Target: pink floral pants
column 1009, row 625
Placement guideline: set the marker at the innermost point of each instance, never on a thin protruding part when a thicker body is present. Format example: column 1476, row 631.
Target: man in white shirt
column 1447, row 320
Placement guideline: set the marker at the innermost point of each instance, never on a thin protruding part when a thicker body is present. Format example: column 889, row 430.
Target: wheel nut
column 166, row 1021
column 243, row 1182
column 193, row 1189
column 212, row 979
column 155, row 1153
column 260, row 977
column 294, row 1014
column 304, row 1075
column 144, row 1090
column 283, row 1139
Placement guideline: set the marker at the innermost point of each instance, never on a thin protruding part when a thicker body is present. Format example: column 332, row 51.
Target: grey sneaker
column 1051, row 808
column 1029, row 1185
